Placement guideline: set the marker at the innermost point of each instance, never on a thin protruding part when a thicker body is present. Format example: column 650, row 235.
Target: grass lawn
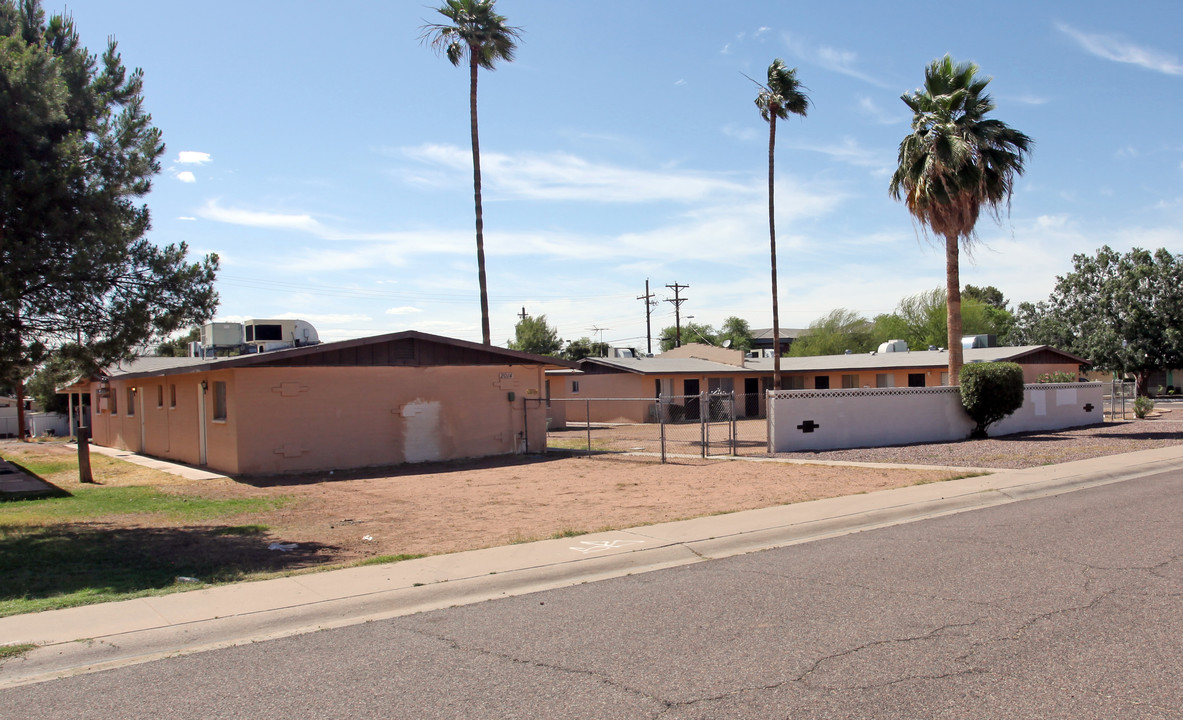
column 128, row 536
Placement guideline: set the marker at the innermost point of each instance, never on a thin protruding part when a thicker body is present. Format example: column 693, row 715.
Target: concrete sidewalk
column 95, row 637
column 174, row 468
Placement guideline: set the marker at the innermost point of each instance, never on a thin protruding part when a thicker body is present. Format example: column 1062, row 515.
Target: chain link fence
column 670, row 427
column 1119, row 401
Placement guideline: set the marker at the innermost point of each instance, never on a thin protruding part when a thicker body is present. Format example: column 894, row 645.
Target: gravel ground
column 1163, row 428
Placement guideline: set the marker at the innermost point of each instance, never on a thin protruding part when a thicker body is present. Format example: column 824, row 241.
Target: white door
column 201, row 423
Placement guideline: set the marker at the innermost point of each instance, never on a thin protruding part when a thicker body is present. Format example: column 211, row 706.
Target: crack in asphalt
column 601, row 677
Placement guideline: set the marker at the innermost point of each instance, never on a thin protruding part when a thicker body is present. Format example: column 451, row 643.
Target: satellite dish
column 727, row 343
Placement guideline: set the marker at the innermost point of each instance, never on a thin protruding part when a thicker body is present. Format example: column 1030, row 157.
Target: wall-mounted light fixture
column 204, row 386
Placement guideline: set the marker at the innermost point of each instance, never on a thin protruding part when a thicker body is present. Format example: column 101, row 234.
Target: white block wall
column 876, row 417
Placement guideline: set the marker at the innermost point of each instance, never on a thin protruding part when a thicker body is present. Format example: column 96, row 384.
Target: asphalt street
column 1068, row 606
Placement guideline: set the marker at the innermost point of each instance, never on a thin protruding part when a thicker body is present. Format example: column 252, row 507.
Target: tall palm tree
column 782, row 95
column 474, row 31
column 955, row 162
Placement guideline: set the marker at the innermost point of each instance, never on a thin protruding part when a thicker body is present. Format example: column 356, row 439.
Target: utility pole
column 649, row 305
column 523, row 314
column 677, row 301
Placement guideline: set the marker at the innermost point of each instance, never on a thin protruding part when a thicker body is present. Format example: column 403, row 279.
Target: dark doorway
column 821, row 382
column 751, row 397
column 690, row 388
column 915, row 379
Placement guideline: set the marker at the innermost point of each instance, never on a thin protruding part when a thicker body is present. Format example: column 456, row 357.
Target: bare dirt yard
column 348, row 516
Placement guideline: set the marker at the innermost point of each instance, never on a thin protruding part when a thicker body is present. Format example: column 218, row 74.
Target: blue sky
column 323, row 152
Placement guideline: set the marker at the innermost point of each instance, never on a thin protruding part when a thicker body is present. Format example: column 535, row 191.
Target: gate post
column 704, row 419
column 661, row 419
column 734, row 428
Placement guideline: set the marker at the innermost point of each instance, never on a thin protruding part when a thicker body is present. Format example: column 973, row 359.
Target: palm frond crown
column 956, row 160
column 783, row 94
column 474, row 30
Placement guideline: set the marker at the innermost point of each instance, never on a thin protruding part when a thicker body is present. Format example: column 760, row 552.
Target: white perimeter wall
column 37, row 424
column 874, row 417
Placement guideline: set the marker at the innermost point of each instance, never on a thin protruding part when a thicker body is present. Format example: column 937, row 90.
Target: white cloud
column 253, row 218
column 849, row 152
column 743, row 132
column 1029, row 99
column 186, row 177
column 561, row 176
column 192, row 157
column 1112, row 47
column 323, row 318
column 877, row 114
column 680, row 82
column 404, row 310
column 1044, row 222
column 834, row 59
column 187, row 218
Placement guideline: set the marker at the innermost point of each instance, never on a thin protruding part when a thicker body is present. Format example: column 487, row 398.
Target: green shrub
column 1060, row 376
column 1142, row 406
column 990, row 392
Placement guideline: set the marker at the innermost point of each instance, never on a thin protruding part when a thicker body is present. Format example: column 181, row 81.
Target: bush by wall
column 1142, row 407
column 990, row 392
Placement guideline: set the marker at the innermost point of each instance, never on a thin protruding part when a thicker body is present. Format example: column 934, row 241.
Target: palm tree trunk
column 772, row 244
column 953, row 306
column 476, row 189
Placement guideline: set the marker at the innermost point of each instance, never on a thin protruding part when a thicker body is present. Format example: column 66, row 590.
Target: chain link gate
column 702, row 424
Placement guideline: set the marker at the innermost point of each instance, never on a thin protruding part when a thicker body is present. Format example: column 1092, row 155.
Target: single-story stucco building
column 385, row 400
column 694, row 368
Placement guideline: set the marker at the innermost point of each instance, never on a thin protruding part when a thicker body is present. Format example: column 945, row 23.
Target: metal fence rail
column 667, row 427
column 1119, row 402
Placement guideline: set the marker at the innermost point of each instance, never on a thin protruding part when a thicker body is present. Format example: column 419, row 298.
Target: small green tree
column 585, row 347
column 833, row 334
column 45, row 382
column 691, row 333
column 738, row 331
column 988, row 295
column 178, row 346
column 533, row 335
column 990, row 392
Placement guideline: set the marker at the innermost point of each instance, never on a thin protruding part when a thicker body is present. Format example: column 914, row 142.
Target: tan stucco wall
column 296, row 419
column 628, row 385
column 595, row 387
column 303, row 419
column 168, row 431
column 1031, row 373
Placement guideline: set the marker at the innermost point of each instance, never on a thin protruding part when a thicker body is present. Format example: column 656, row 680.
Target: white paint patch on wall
column 421, row 431
column 1039, row 402
column 1066, row 396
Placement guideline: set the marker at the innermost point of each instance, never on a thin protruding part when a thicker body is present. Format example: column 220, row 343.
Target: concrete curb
column 96, row 637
